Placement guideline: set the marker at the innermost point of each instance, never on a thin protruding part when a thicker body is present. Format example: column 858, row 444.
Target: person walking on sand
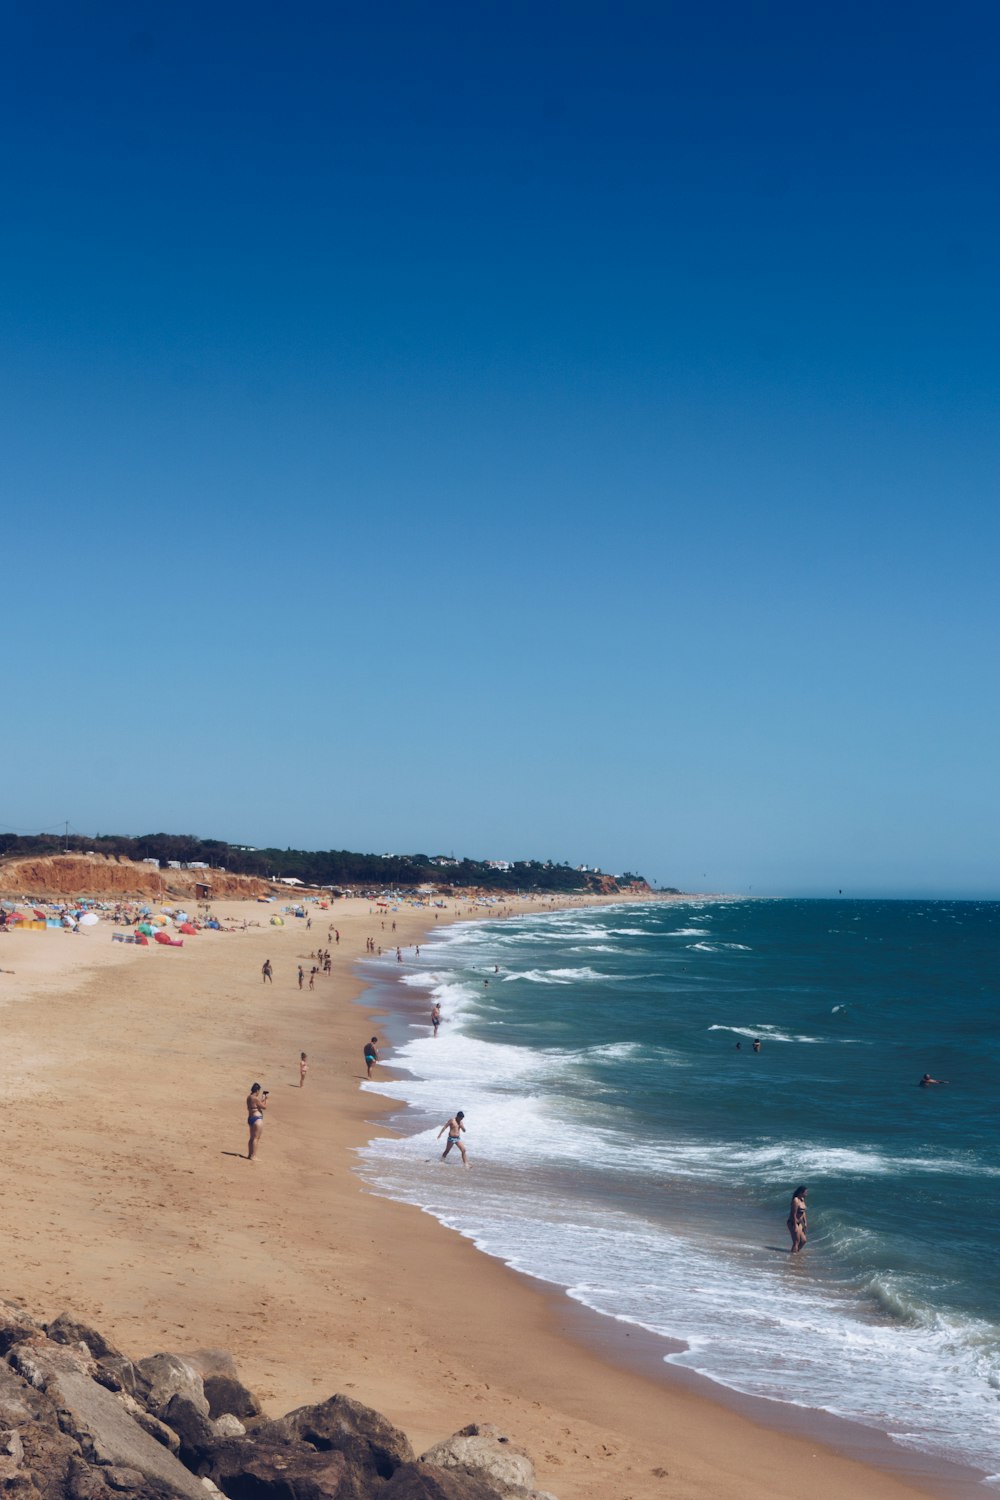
column 302, row 975
column 371, row 1054
column 303, row 1068
column 797, row 1225
column 266, row 976
column 454, row 1127
column 436, row 1016
column 256, row 1105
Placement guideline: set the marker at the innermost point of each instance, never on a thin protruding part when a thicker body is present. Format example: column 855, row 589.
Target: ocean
column 626, row 1149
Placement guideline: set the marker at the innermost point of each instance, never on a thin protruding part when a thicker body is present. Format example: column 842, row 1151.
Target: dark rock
column 47, row 1456
column 21, row 1404
column 97, row 1422
column 66, row 1330
column 224, row 1390
column 118, row 1478
column 85, row 1483
column 157, row 1429
column 119, row 1374
column 420, row 1481
column 15, row 1325
column 194, row 1430
column 248, row 1470
column 369, row 1440
column 227, row 1396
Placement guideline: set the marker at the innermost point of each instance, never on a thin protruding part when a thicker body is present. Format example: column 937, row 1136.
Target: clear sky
column 535, row 430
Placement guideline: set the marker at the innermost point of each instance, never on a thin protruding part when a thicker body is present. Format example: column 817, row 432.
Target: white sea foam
column 557, row 976
column 556, row 1155
column 771, row 1034
column 745, row 1321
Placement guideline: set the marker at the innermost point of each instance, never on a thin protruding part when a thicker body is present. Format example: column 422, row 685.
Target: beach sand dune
column 129, row 1200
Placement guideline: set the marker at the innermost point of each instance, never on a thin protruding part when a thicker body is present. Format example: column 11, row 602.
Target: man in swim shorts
column 371, row 1054
column 454, row 1127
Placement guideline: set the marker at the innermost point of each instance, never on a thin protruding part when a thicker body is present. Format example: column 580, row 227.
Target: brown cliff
column 75, row 875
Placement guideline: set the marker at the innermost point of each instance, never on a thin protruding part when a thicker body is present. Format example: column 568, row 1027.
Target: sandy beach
column 131, row 1202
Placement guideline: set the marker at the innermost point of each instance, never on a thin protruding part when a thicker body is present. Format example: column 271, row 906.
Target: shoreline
column 133, row 1206
column 638, row 1350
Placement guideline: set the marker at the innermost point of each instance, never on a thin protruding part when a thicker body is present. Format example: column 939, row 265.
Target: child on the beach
column 303, row 1068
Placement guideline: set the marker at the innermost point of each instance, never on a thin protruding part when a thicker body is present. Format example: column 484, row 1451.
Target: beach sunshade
column 277, row 921
column 89, row 919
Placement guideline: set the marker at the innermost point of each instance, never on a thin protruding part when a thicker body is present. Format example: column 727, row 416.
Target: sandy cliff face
column 95, row 875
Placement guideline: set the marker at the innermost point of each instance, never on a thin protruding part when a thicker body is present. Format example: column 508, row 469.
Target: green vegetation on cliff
column 324, row 867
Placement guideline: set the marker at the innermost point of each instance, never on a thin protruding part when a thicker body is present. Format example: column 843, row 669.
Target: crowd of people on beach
column 258, row 1098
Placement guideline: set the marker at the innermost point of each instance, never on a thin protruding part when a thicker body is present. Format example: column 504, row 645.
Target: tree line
column 338, row 867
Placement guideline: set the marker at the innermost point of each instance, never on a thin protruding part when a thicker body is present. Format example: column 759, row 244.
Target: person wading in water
column 797, row 1225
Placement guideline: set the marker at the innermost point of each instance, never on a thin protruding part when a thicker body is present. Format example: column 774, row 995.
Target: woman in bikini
column 796, row 1221
column 256, row 1105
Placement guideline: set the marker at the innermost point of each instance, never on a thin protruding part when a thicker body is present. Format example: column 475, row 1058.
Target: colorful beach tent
column 277, row 921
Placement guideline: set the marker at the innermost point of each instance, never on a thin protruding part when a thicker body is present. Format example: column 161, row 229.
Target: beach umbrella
column 146, row 929
column 277, row 921
column 89, row 919
column 186, row 927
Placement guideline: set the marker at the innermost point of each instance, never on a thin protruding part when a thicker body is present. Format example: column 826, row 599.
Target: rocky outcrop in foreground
column 79, row 1419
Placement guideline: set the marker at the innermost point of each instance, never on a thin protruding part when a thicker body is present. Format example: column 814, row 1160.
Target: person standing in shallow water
column 454, row 1127
column 797, row 1225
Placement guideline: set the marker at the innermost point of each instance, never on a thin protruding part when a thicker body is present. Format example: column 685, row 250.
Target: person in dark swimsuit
column 256, row 1105
column 371, row 1054
column 797, row 1225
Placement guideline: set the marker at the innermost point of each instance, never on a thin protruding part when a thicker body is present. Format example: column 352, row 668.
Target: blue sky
column 563, row 432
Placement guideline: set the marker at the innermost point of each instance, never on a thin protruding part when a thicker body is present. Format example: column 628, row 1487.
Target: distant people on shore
column 797, row 1223
column 266, row 972
column 927, row 1081
column 256, row 1104
column 303, row 1068
column 371, row 1054
column 302, row 975
column 455, row 1126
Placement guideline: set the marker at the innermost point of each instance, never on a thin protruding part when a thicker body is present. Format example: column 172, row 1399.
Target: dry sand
column 129, row 1200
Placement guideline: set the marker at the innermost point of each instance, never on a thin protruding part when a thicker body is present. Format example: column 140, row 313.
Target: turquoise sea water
column 624, row 1147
